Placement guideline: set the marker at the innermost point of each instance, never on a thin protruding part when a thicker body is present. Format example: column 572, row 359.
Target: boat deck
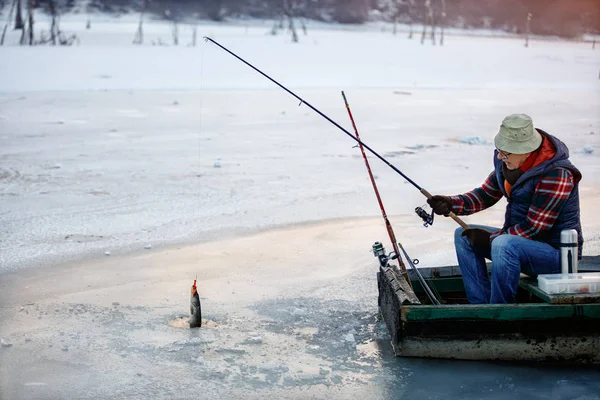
column 531, row 286
column 448, row 280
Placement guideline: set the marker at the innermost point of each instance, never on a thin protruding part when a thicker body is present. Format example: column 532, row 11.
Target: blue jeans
column 510, row 256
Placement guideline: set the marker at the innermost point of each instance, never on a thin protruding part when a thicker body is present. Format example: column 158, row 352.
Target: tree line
column 568, row 18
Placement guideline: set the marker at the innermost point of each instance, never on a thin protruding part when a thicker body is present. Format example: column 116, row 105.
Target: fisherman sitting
column 532, row 170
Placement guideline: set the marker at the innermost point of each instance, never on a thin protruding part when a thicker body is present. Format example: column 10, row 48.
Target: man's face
column 511, row 160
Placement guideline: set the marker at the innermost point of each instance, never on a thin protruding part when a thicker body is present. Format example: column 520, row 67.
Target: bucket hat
column 517, row 135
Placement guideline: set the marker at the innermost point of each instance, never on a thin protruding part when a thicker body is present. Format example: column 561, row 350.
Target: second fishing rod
column 396, row 246
column 302, row 101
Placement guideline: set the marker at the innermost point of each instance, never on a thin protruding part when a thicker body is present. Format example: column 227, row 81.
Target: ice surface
column 128, row 157
column 109, row 148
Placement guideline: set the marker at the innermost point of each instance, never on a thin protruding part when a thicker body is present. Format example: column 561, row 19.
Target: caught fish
column 195, row 308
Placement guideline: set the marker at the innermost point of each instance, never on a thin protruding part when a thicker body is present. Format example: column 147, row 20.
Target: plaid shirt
column 551, row 193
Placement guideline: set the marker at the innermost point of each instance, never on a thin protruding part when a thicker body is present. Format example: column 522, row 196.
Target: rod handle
column 451, row 215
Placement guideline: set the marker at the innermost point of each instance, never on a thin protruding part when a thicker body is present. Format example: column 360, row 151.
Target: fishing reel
column 379, row 252
column 425, row 216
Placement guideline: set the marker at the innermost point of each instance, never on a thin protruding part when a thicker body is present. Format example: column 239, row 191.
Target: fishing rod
column 424, row 284
column 390, row 230
column 388, row 225
column 302, row 101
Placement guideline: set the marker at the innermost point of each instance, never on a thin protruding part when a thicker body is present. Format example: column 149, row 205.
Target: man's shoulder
column 559, row 172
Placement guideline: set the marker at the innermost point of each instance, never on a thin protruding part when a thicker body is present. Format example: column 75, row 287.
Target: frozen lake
column 127, row 170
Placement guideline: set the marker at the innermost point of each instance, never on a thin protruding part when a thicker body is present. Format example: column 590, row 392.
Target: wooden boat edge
column 524, row 344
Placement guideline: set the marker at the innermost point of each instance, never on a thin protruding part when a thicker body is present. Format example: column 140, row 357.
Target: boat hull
column 581, row 349
column 536, row 330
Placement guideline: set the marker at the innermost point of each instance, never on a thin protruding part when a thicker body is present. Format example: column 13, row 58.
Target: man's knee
column 502, row 242
column 458, row 234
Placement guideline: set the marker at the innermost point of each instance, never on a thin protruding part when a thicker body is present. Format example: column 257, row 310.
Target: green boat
column 539, row 327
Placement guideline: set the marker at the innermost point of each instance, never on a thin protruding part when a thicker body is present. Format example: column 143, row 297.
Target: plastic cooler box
column 586, row 282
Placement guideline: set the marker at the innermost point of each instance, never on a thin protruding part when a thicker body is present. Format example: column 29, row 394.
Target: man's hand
column 478, row 237
column 441, row 205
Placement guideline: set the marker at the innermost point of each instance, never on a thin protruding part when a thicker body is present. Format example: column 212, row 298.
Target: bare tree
column 138, row 38
column 409, row 7
column 401, row 7
column 12, row 8
column 527, row 29
column 395, row 15
column 291, row 26
column 54, row 30
column 432, row 21
column 288, row 11
column 30, row 22
column 194, row 36
column 428, row 21
column 277, row 25
column 19, row 24
column 174, row 18
column 175, row 32
column 442, row 22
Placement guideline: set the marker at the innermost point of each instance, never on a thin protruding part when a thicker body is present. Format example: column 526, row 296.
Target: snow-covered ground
column 125, row 170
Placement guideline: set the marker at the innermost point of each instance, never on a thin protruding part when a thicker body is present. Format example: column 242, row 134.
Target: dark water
column 451, row 379
column 386, row 376
column 297, row 348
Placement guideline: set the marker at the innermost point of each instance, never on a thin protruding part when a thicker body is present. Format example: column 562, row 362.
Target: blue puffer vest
column 522, row 192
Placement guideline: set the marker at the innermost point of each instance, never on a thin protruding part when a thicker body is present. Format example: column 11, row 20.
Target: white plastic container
column 580, row 283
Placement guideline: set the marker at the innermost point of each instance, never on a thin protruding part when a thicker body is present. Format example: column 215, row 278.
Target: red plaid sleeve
column 551, row 194
column 478, row 199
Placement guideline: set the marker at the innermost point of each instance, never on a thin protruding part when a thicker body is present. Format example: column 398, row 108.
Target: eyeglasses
column 503, row 155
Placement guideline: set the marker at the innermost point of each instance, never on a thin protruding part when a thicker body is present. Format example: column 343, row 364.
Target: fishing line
column 302, row 101
column 200, row 128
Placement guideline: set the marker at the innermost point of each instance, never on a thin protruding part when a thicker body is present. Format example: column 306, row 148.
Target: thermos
column 568, row 251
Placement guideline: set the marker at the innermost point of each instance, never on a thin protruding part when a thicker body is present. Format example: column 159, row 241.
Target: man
column 540, row 184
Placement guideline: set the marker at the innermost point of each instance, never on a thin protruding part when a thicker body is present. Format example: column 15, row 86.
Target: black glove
column 441, row 205
column 478, row 237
